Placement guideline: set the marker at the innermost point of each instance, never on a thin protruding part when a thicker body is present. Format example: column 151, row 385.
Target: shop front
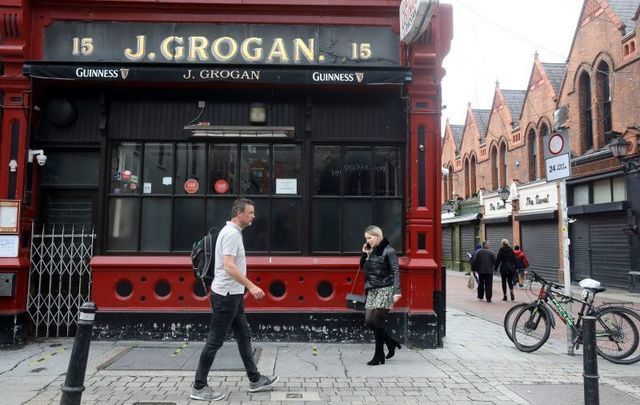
column 497, row 221
column 153, row 124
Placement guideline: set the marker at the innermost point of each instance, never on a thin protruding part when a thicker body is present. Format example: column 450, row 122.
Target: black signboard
column 228, row 44
column 227, row 73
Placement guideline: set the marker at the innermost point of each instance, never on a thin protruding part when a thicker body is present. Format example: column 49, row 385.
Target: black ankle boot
column 513, row 297
column 378, row 357
column 392, row 345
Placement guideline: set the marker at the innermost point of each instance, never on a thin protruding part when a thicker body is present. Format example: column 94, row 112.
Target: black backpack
column 203, row 258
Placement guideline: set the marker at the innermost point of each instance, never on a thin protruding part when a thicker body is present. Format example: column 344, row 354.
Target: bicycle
column 617, row 335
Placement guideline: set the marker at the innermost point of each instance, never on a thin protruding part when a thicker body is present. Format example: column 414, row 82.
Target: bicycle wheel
column 531, row 328
column 510, row 316
column 617, row 335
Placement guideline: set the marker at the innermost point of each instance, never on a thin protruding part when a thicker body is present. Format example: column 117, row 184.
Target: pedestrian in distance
column 379, row 262
column 227, row 302
column 506, row 263
column 483, row 263
column 521, row 264
column 475, row 250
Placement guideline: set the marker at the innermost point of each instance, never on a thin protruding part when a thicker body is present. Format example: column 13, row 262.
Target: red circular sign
column 556, row 143
column 191, row 186
column 221, row 186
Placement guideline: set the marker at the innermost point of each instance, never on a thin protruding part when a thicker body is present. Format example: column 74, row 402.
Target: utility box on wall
column 7, row 284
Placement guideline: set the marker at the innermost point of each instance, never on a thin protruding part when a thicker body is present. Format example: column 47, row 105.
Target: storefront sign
column 191, row 186
column 495, row 207
column 195, row 73
column 414, row 18
column 539, row 198
column 221, row 186
column 220, row 43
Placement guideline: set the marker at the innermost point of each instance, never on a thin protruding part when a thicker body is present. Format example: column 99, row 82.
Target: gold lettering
column 177, row 52
column 278, row 51
column 198, row 45
column 299, row 46
column 247, row 54
column 231, row 52
column 140, row 45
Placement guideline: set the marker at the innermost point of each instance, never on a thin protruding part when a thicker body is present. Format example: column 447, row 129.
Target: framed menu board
column 9, row 215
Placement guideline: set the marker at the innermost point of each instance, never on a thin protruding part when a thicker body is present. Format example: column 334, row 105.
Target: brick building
column 598, row 85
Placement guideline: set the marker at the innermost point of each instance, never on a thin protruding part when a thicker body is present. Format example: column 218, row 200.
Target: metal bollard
column 74, row 381
column 590, row 361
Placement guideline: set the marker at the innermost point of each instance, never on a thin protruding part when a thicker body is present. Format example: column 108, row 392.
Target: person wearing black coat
column 483, row 262
column 506, row 263
column 379, row 262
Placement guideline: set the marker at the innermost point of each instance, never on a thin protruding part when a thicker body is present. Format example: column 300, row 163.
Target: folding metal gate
column 59, row 277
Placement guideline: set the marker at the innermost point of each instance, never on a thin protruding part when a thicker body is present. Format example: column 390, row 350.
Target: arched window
column 445, row 187
column 586, row 125
column 466, row 178
column 450, row 179
column 632, row 46
column 472, row 175
column 494, row 168
column 604, row 96
column 503, row 164
column 544, row 134
column 533, row 155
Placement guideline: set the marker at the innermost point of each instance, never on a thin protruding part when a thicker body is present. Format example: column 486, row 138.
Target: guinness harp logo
column 124, row 73
column 359, row 77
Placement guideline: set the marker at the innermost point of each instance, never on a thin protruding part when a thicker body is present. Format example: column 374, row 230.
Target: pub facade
column 134, row 127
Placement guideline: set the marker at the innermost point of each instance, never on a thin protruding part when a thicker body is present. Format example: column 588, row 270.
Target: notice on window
column 286, row 186
column 146, row 188
column 9, row 245
column 166, row 181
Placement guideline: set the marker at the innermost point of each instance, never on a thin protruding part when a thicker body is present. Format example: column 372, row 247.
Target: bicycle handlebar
column 542, row 281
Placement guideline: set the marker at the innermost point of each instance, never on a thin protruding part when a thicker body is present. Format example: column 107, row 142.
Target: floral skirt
column 379, row 298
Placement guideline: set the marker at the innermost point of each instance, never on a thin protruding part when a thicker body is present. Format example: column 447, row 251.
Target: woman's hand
column 366, row 248
column 396, row 297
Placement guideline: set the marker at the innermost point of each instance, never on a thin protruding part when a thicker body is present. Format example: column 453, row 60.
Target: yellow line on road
column 47, row 356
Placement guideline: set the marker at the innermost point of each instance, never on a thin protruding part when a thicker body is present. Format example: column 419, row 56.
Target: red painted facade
column 420, row 267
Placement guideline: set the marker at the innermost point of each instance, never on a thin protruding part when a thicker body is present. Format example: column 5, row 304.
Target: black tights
column 375, row 318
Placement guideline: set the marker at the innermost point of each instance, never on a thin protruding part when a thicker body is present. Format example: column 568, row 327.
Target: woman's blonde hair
column 374, row 231
column 505, row 242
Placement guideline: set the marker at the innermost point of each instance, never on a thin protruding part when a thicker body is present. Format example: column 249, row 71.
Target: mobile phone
column 368, row 246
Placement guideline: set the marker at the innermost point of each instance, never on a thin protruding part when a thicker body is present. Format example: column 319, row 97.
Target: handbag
column 471, row 283
column 355, row 301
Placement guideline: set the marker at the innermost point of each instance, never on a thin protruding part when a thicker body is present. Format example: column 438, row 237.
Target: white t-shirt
column 229, row 243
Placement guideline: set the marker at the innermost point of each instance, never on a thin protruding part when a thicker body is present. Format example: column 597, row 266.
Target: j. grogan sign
column 414, row 18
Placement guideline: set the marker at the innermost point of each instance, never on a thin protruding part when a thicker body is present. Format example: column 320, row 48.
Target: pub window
column 602, row 191
column 344, row 203
column 581, row 194
column 619, row 186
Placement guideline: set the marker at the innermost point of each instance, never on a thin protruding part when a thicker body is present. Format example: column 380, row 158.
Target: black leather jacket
column 381, row 268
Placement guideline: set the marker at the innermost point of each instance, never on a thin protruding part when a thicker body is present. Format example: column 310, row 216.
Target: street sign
column 558, row 167
column 556, row 143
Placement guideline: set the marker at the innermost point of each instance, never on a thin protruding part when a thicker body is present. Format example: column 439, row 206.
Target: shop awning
column 201, row 73
column 537, row 215
column 460, row 218
column 502, row 219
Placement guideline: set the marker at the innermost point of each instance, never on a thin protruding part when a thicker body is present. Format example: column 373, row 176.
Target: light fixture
column 217, row 131
column 619, row 149
column 504, row 193
column 257, row 113
column 449, row 205
column 41, row 158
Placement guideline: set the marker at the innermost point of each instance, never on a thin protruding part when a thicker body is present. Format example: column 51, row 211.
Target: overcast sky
column 496, row 40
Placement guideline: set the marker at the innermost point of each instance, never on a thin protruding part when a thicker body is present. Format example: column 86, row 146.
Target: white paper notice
column 286, row 186
column 8, row 217
column 9, row 245
column 167, row 181
column 146, row 188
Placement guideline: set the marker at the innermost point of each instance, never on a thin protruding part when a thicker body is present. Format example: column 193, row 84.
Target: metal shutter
column 580, row 248
column 610, row 252
column 447, row 242
column 494, row 233
column 540, row 244
column 467, row 240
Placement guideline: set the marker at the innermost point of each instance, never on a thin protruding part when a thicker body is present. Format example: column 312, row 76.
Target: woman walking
column 379, row 262
column 506, row 262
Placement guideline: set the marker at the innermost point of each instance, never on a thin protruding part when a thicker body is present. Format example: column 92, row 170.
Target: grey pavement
column 478, row 365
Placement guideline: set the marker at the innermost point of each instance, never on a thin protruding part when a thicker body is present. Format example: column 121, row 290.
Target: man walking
column 227, row 293
column 482, row 263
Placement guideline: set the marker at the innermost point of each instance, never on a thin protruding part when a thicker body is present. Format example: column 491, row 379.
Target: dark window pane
column 125, row 168
column 123, row 224
column 223, row 176
column 325, row 232
column 255, row 236
column 357, row 173
column 218, row 212
column 387, row 214
column 158, row 168
column 386, row 172
column 326, row 171
column 254, row 169
column 188, row 222
column 71, row 168
column 156, row 224
column 286, row 216
column 357, row 216
column 190, row 164
column 286, row 169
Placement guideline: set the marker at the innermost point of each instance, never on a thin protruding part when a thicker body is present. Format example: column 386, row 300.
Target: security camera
column 41, row 159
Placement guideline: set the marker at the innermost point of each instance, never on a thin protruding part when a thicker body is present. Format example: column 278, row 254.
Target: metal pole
column 74, row 381
column 566, row 265
column 590, row 361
